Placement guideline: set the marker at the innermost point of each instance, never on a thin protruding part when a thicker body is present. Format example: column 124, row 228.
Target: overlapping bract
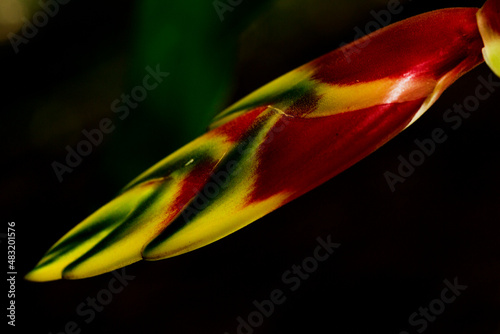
column 280, row 142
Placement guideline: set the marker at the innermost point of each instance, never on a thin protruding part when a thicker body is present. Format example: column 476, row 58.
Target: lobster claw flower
column 281, row 141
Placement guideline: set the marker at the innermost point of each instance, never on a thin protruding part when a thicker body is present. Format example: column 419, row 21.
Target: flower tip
column 40, row 275
column 488, row 19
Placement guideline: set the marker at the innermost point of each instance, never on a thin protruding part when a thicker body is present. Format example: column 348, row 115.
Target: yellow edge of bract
column 491, row 40
column 338, row 99
column 214, row 145
column 53, row 270
column 229, row 212
column 261, row 96
column 214, row 225
column 128, row 249
column 491, row 55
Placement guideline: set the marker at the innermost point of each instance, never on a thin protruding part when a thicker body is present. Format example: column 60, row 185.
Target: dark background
column 397, row 247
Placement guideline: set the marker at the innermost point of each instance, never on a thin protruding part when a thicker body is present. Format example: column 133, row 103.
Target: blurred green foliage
column 189, row 40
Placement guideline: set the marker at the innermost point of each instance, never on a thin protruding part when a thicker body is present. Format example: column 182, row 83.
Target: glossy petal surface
column 280, row 142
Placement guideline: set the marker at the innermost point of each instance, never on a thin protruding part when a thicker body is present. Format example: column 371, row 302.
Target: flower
column 281, row 141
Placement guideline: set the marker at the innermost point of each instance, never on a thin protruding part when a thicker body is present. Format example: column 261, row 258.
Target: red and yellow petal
column 281, row 141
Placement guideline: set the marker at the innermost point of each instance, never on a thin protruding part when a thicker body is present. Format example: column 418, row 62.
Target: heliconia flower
column 281, row 141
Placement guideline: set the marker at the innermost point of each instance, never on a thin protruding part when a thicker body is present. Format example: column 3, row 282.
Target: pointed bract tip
column 42, row 275
column 488, row 20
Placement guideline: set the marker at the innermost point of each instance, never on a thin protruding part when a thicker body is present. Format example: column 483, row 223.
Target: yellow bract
column 336, row 99
column 491, row 39
column 53, row 263
column 267, row 94
column 229, row 211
